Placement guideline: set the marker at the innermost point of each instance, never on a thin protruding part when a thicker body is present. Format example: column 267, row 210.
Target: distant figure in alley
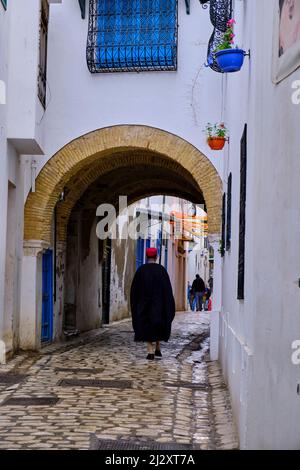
column 152, row 304
column 198, row 291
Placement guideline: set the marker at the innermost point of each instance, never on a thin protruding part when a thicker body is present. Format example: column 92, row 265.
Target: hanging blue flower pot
column 230, row 60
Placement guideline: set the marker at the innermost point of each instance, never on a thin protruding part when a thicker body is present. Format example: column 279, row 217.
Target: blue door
column 140, row 249
column 47, row 310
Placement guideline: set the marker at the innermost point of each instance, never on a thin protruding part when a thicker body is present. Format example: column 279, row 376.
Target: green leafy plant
column 221, row 248
column 216, row 130
column 228, row 39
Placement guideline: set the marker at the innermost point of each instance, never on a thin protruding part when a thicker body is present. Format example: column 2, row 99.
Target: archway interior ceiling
column 137, row 175
column 90, row 178
column 135, row 182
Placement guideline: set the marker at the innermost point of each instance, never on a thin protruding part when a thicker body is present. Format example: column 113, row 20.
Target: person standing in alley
column 152, row 304
column 198, row 289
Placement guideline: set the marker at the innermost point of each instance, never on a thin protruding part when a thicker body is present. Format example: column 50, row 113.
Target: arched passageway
column 135, row 161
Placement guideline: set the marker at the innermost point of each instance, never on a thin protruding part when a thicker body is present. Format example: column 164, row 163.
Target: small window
column 228, row 224
column 136, row 35
column 222, row 248
column 242, row 234
column 42, row 74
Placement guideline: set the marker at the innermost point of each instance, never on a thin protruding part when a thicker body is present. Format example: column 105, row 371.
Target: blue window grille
column 136, row 35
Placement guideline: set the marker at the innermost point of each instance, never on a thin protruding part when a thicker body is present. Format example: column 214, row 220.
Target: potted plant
column 216, row 135
column 230, row 59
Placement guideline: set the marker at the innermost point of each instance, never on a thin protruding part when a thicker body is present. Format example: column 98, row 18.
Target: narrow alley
column 98, row 391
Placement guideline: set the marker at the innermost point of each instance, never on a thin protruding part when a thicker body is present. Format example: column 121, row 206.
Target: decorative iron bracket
column 204, row 3
column 82, row 8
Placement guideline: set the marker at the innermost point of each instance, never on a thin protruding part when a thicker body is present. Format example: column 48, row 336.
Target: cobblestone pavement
column 180, row 399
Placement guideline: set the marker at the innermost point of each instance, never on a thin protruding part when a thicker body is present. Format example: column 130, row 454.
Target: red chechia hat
column 151, row 252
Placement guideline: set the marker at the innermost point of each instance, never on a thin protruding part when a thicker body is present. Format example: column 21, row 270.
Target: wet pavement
column 99, row 391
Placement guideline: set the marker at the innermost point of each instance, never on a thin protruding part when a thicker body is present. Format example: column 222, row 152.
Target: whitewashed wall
column 21, row 140
column 80, row 102
column 257, row 333
column 3, row 168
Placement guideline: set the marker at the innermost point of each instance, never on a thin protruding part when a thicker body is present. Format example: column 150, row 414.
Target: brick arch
column 99, row 152
column 125, row 174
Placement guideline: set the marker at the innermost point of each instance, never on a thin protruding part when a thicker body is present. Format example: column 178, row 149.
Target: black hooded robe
column 152, row 303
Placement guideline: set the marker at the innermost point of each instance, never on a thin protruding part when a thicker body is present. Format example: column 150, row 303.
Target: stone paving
column 157, row 407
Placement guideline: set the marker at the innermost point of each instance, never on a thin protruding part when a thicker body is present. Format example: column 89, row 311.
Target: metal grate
column 11, row 379
column 79, row 371
column 135, row 444
column 122, row 384
column 136, row 35
column 191, row 385
column 31, row 401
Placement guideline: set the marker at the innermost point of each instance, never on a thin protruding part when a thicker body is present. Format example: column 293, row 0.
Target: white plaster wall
column 122, row 272
column 31, row 302
column 174, row 101
column 20, row 116
column 24, row 111
column 257, row 333
column 88, row 310
column 4, row 27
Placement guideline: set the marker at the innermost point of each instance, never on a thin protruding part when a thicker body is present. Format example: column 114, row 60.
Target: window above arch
column 135, row 35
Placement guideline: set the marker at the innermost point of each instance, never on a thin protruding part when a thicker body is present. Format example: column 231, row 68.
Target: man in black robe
column 152, row 304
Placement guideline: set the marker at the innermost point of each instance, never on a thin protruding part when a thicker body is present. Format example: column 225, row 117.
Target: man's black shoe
column 158, row 353
column 150, row 357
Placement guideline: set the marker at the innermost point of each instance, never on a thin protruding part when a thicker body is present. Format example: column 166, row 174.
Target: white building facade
column 258, row 330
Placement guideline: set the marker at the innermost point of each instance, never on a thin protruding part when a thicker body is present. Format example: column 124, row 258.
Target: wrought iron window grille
column 135, row 36
column 42, row 68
